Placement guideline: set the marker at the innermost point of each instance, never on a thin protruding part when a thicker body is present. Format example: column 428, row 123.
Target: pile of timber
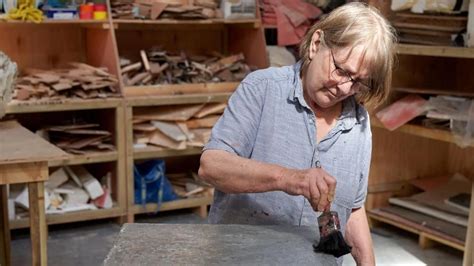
column 430, row 29
column 175, row 127
column 78, row 138
column 159, row 67
column 70, row 189
column 166, row 9
column 122, row 9
column 190, row 186
column 79, row 81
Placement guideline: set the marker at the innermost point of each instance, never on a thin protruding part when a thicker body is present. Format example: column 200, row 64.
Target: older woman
column 296, row 140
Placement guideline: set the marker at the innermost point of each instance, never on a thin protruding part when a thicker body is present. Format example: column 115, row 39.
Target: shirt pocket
column 346, row 188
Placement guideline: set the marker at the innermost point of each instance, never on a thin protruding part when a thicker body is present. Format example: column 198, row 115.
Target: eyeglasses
column 340, row 74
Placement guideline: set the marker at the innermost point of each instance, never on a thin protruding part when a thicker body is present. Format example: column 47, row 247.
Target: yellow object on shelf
column 26, row 12
column 100, row 15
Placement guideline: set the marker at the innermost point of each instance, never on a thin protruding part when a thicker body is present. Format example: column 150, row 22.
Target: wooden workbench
column 24, row 158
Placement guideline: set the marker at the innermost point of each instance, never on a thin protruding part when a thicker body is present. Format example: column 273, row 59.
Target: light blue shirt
column 268, row 120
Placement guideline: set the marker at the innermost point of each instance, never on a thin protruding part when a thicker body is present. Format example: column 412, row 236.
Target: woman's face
column 331, row 73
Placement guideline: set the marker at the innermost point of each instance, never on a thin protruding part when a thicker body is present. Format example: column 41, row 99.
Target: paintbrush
column 331, row 239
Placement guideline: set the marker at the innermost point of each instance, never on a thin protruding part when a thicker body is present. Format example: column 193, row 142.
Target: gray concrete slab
column 204, row 244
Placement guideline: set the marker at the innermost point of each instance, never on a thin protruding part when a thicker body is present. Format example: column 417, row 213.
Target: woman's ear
column 315, row 44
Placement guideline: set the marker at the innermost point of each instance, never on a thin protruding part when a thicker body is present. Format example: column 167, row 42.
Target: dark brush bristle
column 333, row 244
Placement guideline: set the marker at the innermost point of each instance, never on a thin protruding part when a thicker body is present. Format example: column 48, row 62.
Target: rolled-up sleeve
column 237, row 128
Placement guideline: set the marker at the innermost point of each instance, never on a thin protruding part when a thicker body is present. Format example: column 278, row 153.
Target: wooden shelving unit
column 413, row 151
column 53, row 44
column 220, row 35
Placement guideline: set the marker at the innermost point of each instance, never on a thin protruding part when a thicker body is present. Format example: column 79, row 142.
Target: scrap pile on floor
column 69, row 189
column 175, row 127
column 78, row 138
column 165, row 9
column 80, row 81
column 160, row 67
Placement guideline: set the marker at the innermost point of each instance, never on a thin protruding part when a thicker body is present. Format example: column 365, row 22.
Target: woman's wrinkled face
column 333, row 74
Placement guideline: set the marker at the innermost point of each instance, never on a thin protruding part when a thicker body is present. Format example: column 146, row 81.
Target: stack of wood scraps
column 430, row 29
column 176, row 127
column 166, row 9
column 160, row 67
column 190, row 185
column 79, row 138
column 122, row 9
column 70, row 189
column 80, row 81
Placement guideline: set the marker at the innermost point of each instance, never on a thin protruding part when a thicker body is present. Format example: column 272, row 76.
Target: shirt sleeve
column 236, row 130
column 365, row 168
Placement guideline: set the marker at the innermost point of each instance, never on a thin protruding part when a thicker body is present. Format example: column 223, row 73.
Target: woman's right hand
column 315, row 184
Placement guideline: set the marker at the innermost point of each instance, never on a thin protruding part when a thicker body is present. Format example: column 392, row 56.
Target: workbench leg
column 4, row 228
column 38, row 227
column 201, row 211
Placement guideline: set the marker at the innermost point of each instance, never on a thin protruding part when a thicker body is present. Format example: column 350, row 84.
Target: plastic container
column 100, row 12
column 86, row 11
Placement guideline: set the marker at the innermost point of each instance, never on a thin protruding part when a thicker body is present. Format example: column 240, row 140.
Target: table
column 24, row 158
column 211, row 244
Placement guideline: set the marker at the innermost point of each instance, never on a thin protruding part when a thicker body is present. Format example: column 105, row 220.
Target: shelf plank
column 166, row 22
column 420, row 131
column 178, row 99
column 71, row 217
column 104, row 24
column 436, row 92
column 173, row 205
column 91, row 157
column 416, row 228
column 442, row 51
column 180, row 89
column 156, row 152
column 15, row 106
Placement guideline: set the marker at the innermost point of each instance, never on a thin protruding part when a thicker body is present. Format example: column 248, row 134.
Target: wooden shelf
column 255, row 23
column 92, row 157
column 435, row 92
column 104, row 24
column 172, row 205
column 180, row 89
column 416, row 228
column 156, row 152
column 71, row 217
column 420, row 131
column 178, row 99
column 16, row 106
column 441, row 51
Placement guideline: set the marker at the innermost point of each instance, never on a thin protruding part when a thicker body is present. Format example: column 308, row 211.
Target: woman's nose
column 345, row 88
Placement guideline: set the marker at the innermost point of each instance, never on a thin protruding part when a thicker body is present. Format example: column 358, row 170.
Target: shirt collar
column 296, row 91
column 351, row 113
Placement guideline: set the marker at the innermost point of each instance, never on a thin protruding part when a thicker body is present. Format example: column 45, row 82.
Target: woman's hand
column 315, row 184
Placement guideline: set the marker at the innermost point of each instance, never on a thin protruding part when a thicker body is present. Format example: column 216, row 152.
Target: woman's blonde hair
column 356, row 24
